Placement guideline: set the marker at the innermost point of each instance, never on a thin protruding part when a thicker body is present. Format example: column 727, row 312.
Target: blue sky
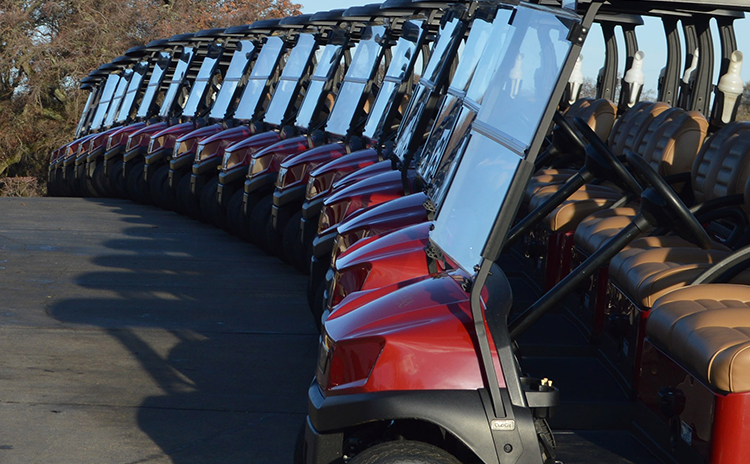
column 650, row 37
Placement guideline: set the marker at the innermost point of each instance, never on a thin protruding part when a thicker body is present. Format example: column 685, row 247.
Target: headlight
column 347, row 281
column 258, row 165
column 183, row 148
column 207, row 150
column 321, row 184
column 132, row 142
column 155, row 143
column 291, row 175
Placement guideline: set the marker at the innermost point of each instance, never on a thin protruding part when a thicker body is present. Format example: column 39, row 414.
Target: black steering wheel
column 570, row 133
column 603, row 163
column 662, row 207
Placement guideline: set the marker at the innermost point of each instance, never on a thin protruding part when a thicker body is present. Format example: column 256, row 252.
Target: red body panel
column 377, row 167
column 311, row 158
column 338, row 168
column 201, row 135
column 426, row 332
column 120, row 136
column 141, row 137
column 391, row 258
column 241, row 147
column 373, row 191
column 73, row 146
column 274, row 154
column 172, row 133
column 100, row 139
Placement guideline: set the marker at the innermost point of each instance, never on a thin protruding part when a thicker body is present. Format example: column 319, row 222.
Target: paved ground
column 133, row 335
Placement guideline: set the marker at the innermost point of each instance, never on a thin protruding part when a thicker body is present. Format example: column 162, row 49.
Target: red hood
column 404, row 241
column 427, row 333
column 385, row 217
column 366, row 172
column 204, row 132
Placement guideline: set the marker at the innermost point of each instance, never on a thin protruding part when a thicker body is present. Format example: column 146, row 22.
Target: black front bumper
column 460, row 412
column 285, row 204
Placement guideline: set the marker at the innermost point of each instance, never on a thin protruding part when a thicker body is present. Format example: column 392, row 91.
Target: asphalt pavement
column 129, row 334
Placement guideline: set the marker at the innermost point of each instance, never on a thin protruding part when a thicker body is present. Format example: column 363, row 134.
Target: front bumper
column 285, row 204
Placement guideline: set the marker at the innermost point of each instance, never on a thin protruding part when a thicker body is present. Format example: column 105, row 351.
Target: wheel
column 156, row 187
column 89, row 188
column 100, row 181
column 291, row 242
column 273, row 239
column 116, row 180
column 258, row 222
column 136, row 186
column 299, row 445
column 404, row 452
column 235, row 217
column 318, row 305
column 209, row 201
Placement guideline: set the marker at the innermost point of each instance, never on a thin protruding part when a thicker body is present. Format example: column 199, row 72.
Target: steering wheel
column 569, row 133
column 603, row 163
column 662, row 207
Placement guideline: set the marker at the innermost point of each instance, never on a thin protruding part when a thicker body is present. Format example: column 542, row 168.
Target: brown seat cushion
column 706, row 328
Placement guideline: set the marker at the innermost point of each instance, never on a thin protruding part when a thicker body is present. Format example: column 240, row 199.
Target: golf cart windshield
column 85, row 113
column 262, row 70
column 237, row 68
column 463, row 100
column 157, row 74
column 139, row 72
column 440, row 57
column 402, row 61
column 202, row 81
column 114, row 106
column 293, row 71
column 176, row 83
column 326, row 67
column 109, row 89
column 531, row 64
column 358, row 76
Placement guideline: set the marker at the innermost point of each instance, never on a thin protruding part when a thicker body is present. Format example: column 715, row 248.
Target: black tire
column 291, row 242
column 136, row 185
column 100, row 181
column 209, row 201
column 259, row 223
column 116, row 179
column 89, row 189
column 404, row 452
column 547, row 442
column 299, row 445
column 156, row 187
column 186, row 203
column 235, row 217
column 318, row 305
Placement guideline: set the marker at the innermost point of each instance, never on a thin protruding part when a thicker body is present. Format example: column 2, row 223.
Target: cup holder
column 540, row 395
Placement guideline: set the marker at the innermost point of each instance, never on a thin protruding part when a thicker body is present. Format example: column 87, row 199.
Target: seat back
column 672, row 145
column 722, row 166
column 626, row 134
column 599, row 114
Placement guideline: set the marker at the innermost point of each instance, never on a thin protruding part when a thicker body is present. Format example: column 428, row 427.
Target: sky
column 650, row 38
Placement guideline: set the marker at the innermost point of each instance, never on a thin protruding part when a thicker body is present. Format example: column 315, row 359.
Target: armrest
column 721, row 202
column 725, row 269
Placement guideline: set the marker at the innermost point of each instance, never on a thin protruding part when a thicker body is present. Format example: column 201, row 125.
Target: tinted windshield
column 198, row 94
column 176, row 83
column 101, row 110
column 237, row 68
column 286, row 88
column 365, row 60
column 157, row 74
column 402, row 61
column 457, row 111
column 139, row 73
column 85, row 113
column 122, row 87
column 327, row 65
column 531, row 61
column 440, row 57
column 256, row 85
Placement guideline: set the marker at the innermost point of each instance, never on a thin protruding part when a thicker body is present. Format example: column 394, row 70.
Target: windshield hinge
column 578, row 33
column 431, row 209
column 433, row 256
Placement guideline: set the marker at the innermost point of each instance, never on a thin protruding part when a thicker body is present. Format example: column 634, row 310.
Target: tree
column 47, row 46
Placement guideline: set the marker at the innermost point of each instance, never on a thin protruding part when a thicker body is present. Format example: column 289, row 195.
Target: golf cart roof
column 181, row 39
column 210, row 34
column 298, row 21
column 363, row 13
column 157, row 45
column 328, row 18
